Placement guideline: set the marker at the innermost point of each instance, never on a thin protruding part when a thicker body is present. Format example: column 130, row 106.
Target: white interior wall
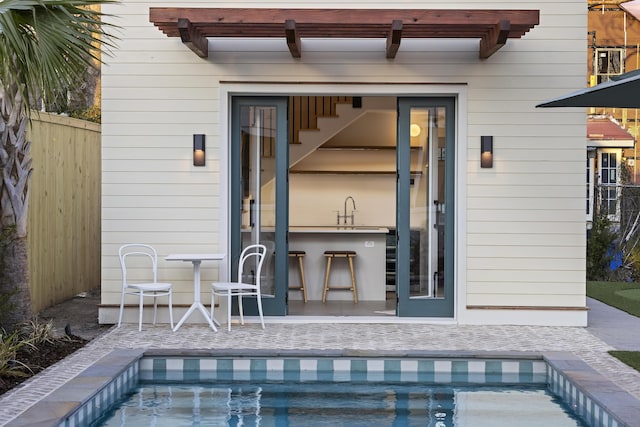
column 315, row 199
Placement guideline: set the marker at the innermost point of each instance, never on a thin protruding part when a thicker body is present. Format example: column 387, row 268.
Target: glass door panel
column 425, row 196
column 259, row 127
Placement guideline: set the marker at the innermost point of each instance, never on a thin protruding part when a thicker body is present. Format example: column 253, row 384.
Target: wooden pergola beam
column 494, row 39
column 293, row 38
column 394, row 38
column 192, row 39
column 491, row 26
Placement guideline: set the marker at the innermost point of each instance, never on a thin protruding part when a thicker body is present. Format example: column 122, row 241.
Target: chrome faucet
column 345, row 216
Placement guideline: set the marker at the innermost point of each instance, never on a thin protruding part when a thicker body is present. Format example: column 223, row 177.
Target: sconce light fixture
column 486, row 151
column 414, row 130
column 198, row 149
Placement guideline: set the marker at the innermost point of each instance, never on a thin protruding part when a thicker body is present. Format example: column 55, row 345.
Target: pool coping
column 592, row 396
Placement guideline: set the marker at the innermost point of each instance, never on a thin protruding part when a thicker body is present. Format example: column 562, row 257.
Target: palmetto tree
column 45, row 47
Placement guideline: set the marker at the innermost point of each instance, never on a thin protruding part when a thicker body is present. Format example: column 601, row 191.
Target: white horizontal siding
column 539, row 284
column 160, row 105
column 519, row 265
column 502, row 281
column 158, row 176
column 197, row 196
column 129, row 193
column 526, row 239
column 523, row 179
column 194, row 213
column 531, row 192
column 514, row 227
column 532, row 300
column 524, row 218
column 523, row 203
column 535, row 254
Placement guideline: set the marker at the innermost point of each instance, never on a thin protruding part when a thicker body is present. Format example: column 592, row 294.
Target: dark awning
column 491, row 26
column 620, row 92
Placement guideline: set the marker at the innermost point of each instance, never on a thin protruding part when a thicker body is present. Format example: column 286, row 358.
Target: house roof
column 632, row 7
column 195, row 25
column 605, row 131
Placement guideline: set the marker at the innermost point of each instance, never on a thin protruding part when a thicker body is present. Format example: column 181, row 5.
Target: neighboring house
column 614, row 49
column 606, row 143
column 371, row 118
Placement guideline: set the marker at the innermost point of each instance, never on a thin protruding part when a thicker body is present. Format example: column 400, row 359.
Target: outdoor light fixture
column 486, row 151
column 414, row 130
column 198, row 149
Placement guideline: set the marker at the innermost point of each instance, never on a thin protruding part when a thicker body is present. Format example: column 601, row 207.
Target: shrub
column 91, row 114
column 37, row 332
column 9, row 346
column 599, row 245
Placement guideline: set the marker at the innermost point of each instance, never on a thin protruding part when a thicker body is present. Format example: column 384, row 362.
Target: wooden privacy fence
column 64, row 208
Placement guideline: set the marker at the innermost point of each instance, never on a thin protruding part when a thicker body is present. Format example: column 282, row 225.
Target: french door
column 424, row 234
column 259, row 194
column 425, row 207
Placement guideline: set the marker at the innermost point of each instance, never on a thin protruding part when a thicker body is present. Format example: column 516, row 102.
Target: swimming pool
column 86, row 397
column 338, row 404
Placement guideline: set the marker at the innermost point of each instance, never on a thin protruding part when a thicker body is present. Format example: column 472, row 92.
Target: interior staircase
column 304, row 112
column 319, row 124
column 315, row 120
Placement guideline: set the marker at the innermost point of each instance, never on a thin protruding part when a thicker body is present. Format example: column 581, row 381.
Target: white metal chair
column 251, row 259
column 146, row 257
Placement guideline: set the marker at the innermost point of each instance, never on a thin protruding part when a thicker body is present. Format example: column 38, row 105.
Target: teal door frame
column 409, row 306
column 275, row 305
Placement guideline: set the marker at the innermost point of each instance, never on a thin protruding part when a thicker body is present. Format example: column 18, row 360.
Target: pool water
column 338, row 404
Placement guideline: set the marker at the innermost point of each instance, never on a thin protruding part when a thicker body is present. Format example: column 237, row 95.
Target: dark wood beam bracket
column 192, row 39
column 394, row 38
column 494, row 39
column 293, row 38
column 491, row 26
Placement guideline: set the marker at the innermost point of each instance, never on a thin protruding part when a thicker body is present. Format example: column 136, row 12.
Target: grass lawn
column 622, row 295
column 631, row 358
column 626, row 297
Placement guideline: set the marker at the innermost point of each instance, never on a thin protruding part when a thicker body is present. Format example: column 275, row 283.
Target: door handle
column 251, row 208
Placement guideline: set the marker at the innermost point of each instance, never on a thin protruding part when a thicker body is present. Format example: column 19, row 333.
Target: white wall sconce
column 198, row 149
column 486, row 151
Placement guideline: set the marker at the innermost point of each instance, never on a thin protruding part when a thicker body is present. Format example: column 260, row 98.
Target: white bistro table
column 196, row 260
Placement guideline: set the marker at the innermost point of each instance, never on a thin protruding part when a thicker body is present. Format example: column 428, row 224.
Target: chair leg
column 170, row 310
column 155, row 308
column 229, row 310
column 260, row 310
column 140, row 312
column 240, row 309
column 121, row 309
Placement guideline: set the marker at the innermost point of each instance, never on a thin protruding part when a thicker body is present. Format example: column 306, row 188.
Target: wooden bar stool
column 303, row 284
column 349, row 256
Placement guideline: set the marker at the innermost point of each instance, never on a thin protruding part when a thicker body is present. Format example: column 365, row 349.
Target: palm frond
column 46, row 45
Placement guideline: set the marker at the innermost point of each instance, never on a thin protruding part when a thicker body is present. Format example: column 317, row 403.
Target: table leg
column 197, row 305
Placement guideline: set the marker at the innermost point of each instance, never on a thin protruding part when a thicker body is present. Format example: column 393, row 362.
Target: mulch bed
column 38, row 360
